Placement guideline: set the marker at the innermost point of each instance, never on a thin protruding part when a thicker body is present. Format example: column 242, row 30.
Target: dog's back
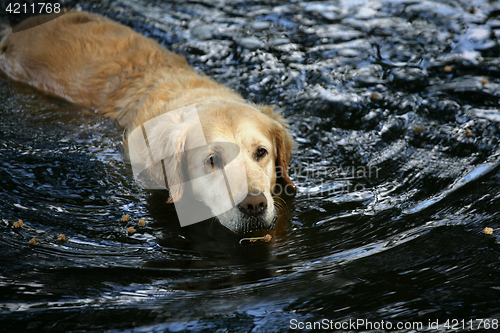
column 93, row 61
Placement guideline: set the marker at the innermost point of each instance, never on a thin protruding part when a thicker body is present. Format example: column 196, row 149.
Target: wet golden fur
column 95, row 62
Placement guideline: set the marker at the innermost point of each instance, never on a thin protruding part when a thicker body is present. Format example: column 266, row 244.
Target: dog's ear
column 163, row 155
column 284, row 144
column 173, row 166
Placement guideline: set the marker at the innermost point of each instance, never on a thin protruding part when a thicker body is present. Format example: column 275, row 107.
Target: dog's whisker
column 212, row 221
column 283, row 202
column 280, row 205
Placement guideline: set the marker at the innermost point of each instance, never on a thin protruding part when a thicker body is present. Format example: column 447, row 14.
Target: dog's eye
column 261, row 152
column 213, row 161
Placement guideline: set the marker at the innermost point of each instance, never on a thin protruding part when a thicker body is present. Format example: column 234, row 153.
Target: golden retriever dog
column 95, row 62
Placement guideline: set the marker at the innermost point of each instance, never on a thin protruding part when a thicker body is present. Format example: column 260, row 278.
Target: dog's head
column 225, row 152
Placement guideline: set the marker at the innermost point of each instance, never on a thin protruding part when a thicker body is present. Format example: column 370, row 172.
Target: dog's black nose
column 254, row 204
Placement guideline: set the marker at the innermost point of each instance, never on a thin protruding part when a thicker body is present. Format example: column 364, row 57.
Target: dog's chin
column 239, row 223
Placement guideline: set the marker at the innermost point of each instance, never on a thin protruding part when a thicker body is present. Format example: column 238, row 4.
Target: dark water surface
column 394, row 106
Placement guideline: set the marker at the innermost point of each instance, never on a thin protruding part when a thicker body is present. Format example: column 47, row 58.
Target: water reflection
column 410, row 89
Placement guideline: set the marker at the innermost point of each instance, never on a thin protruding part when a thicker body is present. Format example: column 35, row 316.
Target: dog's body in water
column 95, row 62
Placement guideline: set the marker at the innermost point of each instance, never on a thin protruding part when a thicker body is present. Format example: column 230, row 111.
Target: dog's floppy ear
column 161, row 153
column 173, row 164
column 284, row 144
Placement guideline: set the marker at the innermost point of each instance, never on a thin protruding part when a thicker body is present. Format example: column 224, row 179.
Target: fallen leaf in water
column 18, row 224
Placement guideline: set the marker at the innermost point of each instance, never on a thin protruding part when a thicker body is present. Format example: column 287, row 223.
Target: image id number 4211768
column 472, row 324
column 33, row 8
